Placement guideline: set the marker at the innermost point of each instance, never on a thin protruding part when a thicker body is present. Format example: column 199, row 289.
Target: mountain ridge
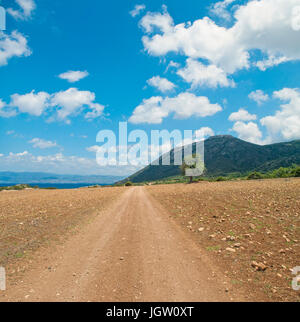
column 225, row 154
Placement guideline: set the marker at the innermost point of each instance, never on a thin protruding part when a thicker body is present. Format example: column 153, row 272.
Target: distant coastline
column 55, row 185
column 50, row 180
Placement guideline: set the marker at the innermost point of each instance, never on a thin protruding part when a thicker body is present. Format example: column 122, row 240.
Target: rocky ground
column 250, row 228
column 221, row 241
column 130, row 252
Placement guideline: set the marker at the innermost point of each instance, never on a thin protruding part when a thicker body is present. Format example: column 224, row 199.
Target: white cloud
column 199, row 74
column 42, row 144
column 150, row 111
column 271, row 61
column 204, row 132
column 172, row 64
column 161, row 84
column 60, row 164
column 185, row 105
column 96, row 111
column 202, row 39
column 137, row 10
column 268, row 26
column 18, row 155
column 73, row 76
column 162, row 21
column 1, row 155
column 26, row 9
column 97, row 148
column 248, row 132
column 220, row 9
column 93, row 149
column 72, row 101
column 258, row 96
column 6, row 111
column 285, row 124
column 33, row 104
column 242, row 115
column 13, row 45
column 60, row 106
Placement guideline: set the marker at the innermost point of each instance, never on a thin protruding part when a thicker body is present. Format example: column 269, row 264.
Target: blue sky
column 69, row 69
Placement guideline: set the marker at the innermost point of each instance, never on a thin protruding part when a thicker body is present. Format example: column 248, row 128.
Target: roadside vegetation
column 18, row 187
column 288, row 172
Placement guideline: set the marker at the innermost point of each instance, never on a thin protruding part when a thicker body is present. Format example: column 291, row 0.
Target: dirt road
column 132, row 252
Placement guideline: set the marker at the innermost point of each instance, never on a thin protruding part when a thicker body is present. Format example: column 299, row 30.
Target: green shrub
column 255, row 176
column 281, row 173
column 17, row 187
column 296, row 172
column 128, row 184
column 221, row 179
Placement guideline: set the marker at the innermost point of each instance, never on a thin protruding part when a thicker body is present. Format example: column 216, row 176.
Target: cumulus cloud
column 268, row 26
column 96, row 111
column 248, row 132
column 202, row 39
column 162, row 84
column 42, row 144
column 258, row 96
column 13, row 45
column 6, row 111
column 199, row 74
column 204, row 132
column 183, row 106
column 220, row 9
column 271, row 61
column 157, row 21
column 73, row 76
column 285, row 124
column 72, row 101
column 242, row 115
column 137, row 10
column 32, row 103
column 26, row 9
column 60, row 105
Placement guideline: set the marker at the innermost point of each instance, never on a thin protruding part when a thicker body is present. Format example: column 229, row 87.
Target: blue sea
column 56, row 185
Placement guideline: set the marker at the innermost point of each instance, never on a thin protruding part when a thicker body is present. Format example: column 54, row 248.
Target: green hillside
column 226, row 154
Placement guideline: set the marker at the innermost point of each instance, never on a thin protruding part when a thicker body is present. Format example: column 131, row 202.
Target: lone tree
column 192, row 166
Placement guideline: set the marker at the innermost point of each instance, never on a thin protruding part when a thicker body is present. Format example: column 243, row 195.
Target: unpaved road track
column 132, row 252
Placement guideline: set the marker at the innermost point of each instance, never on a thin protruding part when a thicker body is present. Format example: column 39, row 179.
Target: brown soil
column 259, row 220
column 31, row 220
column 144, row 244
column 131, row 252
